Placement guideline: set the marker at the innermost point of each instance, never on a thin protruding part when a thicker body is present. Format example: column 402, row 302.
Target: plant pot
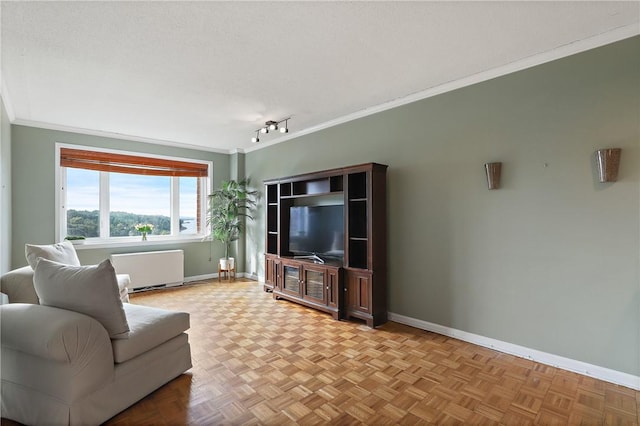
column 227, row 264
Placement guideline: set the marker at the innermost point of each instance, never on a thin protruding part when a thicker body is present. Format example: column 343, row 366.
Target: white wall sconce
column 608, row 162
column 493, row 171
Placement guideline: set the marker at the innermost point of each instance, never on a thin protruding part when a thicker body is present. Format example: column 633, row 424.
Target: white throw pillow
column 63, row 252
column 90, row 290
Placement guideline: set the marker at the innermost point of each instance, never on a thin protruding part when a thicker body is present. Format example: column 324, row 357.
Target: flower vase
column 144, row 236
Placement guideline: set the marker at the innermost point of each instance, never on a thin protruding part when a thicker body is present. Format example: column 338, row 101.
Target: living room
column 546, row 267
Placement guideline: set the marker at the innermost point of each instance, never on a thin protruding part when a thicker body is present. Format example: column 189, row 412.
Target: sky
column 149, row 195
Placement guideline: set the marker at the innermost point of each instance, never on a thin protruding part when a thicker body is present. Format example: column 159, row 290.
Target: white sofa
column 60, row 366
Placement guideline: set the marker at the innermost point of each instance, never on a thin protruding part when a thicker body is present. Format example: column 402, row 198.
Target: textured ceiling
column 208, row 74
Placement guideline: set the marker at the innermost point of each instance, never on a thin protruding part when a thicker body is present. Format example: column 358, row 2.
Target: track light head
column 271, row 125
column 256, row 139
column 264, row 130
column 285, row 129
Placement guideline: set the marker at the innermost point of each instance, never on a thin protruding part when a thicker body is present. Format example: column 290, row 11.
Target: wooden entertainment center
column 353, row 285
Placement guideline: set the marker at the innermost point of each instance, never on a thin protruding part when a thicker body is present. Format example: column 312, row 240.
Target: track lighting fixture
column 272, row 125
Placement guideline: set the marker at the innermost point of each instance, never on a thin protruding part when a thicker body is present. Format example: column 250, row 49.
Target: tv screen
column 317, row 230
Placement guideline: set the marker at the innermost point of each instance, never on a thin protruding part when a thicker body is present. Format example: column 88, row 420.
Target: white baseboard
column 214, row 276
column 597, row 372
column 200, row 277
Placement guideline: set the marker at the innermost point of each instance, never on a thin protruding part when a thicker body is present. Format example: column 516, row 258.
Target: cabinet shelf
column 289, row 197
column 358, row 253
column 285, row 189
column 272, row 194
column 358, row 219
column 272, row 235
column 357, row 185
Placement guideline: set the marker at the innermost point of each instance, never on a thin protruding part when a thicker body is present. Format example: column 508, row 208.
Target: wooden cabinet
column 358, row 294
column 355, row 286
column 364, row 298
column 272, row 271
column 317, row 286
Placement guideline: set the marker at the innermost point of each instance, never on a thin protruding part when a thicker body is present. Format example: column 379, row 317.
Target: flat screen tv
column 317, row 230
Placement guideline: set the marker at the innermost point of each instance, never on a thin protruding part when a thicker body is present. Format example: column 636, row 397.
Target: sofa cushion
column 91, row 290
column 148, row 328
column 63, row 252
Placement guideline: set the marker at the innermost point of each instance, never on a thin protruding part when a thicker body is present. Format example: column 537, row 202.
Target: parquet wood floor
column 261, row 361
column 257, row 361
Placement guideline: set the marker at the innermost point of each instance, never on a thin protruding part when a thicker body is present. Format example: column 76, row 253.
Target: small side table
column 228, row 273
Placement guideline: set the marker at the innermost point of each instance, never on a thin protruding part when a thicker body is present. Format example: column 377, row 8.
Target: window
column 105, row 194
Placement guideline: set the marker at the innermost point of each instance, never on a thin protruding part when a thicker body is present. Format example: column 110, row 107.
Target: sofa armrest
column 18, row 285
column 54, row 352
column 52, row 333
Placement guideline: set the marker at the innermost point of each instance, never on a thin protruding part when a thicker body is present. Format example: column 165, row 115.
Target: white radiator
column 151, row 268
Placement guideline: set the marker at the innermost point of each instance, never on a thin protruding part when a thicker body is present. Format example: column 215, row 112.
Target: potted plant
column 144, row 229
column 229, row 206
column 75, row 239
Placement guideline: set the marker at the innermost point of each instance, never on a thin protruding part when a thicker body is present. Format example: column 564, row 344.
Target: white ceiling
column 208, row 74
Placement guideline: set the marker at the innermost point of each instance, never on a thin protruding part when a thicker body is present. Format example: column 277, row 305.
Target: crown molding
column 566, row 50
column 113, row 135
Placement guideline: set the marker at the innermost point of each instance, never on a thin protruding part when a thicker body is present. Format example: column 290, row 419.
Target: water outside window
column 138, row 199
column 188, row 205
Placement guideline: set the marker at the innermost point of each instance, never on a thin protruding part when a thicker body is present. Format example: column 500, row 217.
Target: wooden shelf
column 272, row 194
column 309, row 195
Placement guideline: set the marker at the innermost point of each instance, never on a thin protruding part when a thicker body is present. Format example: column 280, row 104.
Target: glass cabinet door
column 314, row 285
column 292, row 279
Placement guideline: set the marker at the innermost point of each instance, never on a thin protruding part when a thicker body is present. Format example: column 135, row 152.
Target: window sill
column 96, row 243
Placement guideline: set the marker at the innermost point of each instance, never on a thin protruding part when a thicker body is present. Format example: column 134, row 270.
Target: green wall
column 33, row 165
column 237, row 173
column 551, row 260
column 5, row 190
